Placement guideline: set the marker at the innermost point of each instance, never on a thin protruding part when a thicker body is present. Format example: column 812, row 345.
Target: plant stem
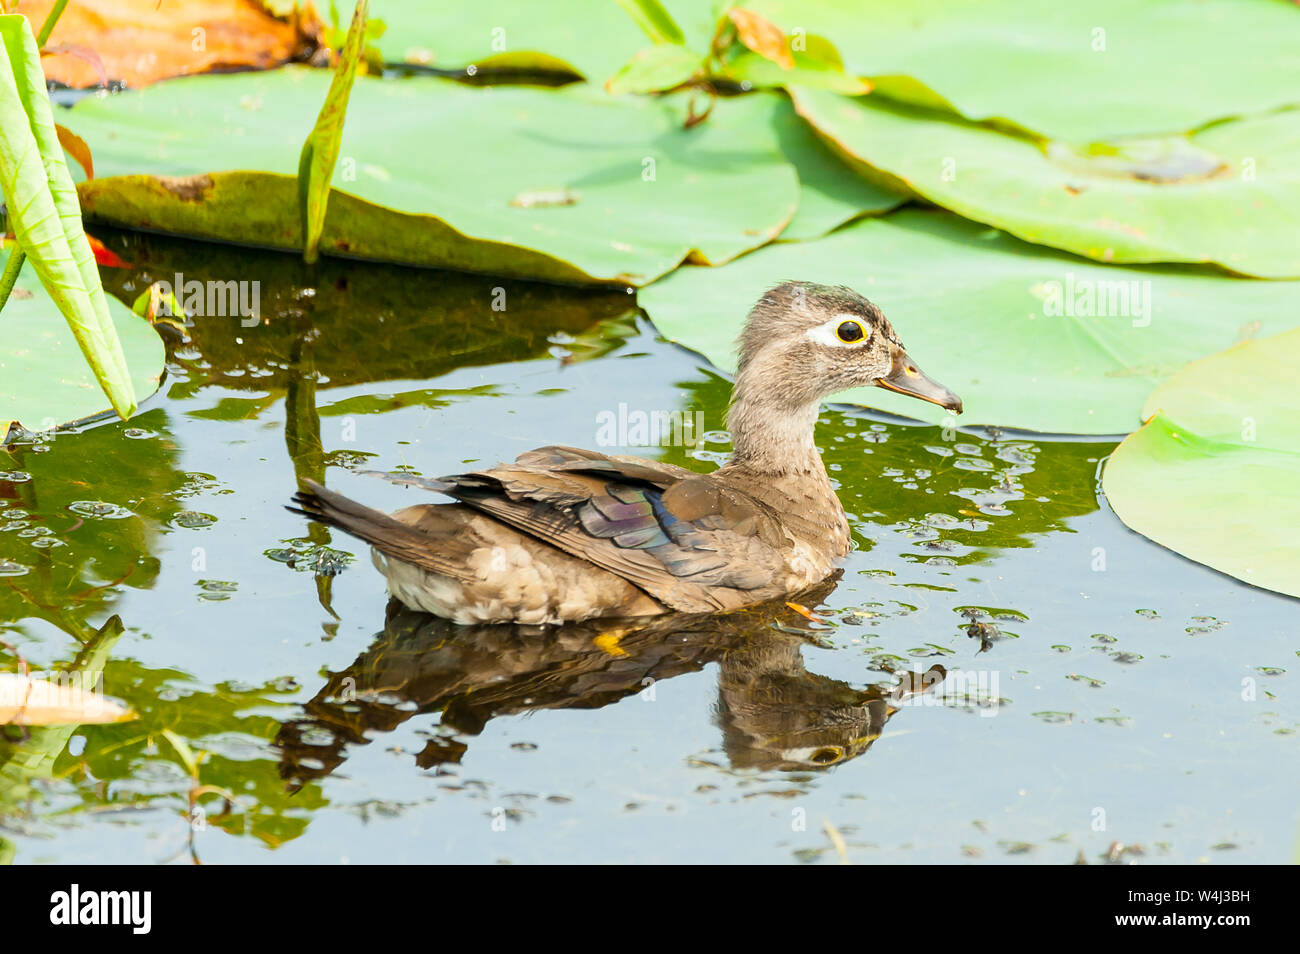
column 52, row 18
column 13, row 266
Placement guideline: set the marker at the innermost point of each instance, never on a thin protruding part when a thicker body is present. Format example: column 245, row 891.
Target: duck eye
column 850, row 331
column 829, row 754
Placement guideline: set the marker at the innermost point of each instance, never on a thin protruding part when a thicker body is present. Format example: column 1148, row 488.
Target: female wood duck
column 565, row 534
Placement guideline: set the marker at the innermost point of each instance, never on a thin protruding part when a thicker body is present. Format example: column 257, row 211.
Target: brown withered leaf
column 142, row 41
column 762, row 36
column 76, row 147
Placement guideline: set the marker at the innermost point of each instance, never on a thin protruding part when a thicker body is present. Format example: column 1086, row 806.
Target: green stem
column 52, row 18
column 12, row 267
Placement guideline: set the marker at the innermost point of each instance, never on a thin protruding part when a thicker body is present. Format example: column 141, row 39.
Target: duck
column 565, row 534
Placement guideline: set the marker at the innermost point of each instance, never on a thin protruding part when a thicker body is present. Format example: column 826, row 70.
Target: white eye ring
column 828, row 333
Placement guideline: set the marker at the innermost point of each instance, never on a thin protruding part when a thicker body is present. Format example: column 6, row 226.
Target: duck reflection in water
column 773, row 713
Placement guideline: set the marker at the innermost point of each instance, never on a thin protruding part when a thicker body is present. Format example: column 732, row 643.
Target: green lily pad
column 565, row 185
column 1073, row 71
column 1028, row 337
column 592, row 38
column 830, row 194
column 1229, row 194
column 44, row 379
column 1213, row 473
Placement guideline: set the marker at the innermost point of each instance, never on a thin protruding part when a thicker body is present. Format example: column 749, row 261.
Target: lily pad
column 592, row 38
column 566, row 185
column 1213, row 473
column 1229, row 194
column 1028, row 337
column 830, row 194
column 44, row 379
column 1069, row 71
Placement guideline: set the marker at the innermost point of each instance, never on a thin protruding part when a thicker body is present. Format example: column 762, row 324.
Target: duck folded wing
column 690, row 543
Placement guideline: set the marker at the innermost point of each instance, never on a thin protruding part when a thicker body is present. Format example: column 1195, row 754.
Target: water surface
column 1103, row 697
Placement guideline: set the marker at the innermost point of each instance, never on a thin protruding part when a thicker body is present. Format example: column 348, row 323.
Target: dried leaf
column 76, row 147
column 762, row 36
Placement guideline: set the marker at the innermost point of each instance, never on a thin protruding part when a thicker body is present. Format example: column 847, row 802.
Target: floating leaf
column 44, row 380
column 44, row 214
column 138, row 42
column 660, row 67
column 184, row 157
column 1213, row 473
column 1229, row 194
column 1027, row 337
column 1074, row 71
column 828, row 197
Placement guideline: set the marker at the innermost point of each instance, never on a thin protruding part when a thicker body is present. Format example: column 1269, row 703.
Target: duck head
column 804, row 342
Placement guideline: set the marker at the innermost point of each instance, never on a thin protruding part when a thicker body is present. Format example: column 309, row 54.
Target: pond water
column 1104, row 698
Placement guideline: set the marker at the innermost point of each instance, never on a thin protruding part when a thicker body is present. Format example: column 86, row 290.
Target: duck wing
column 690, row 542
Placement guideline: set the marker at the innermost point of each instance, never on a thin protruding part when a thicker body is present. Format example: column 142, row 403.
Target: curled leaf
column 76, row 147
column 762, row 36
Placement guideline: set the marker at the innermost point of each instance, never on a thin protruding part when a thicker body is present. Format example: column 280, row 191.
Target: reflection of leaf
column 1213, row 473
column 33, row 757
column 475, row 320
column 1229, row 194
column 76, row 563
column 652, row 193
column 26, row 701
column 984, row 313
column 183, row 751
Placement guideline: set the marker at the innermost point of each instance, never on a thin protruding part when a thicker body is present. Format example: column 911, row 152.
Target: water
column 1104, row 697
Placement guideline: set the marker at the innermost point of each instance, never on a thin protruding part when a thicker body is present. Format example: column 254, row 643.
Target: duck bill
column 906, row 378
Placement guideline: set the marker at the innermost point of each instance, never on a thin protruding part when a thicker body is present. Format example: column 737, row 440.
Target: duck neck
column 772, row 438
